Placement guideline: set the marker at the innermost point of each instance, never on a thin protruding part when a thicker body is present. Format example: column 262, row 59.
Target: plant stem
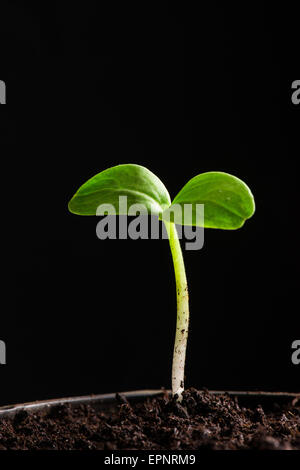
column 182, row 325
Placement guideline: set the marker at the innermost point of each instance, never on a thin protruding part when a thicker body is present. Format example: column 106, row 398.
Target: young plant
column 227, row 200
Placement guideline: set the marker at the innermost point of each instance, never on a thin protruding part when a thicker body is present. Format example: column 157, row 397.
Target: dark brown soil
column 201, row 421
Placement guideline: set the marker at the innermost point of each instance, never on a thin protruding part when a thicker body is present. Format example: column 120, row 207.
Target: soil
column 200, row 421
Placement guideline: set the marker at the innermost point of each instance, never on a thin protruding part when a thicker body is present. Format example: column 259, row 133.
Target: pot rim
column 11, row 410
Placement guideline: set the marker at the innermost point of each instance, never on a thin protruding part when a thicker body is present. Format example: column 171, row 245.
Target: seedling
column 227, row 200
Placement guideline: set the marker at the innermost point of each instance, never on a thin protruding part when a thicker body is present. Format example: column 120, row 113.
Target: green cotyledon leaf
column 136, row 182
column 227, row 200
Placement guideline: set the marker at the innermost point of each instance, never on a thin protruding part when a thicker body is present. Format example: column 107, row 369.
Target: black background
column 181, row 90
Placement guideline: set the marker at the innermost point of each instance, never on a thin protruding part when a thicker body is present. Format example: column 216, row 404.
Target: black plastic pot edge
column 108, row 401
column 105, row 399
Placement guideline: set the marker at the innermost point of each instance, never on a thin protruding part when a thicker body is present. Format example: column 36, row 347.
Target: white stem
column 182, row 325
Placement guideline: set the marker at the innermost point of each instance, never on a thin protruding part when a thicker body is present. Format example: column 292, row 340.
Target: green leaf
column 140, row 186
column 227, row 200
